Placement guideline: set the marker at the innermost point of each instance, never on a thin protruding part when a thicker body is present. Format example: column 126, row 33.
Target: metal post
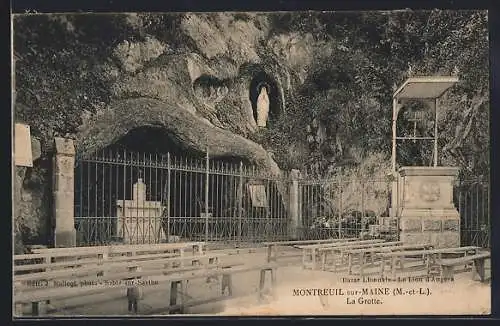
column 436, row 132
column 363, row 212
column 340, row 203
column 169, row 169
column 240, row 201
column 394, row 133
column 206, row 196
column 340, row 210
column 124, row 217
column 488, row 216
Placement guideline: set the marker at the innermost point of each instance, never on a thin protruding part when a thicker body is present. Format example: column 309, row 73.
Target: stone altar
column 426, row 210
column 139, row 220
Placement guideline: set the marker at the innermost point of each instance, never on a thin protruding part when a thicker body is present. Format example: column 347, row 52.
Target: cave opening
column 155, row 140
column 175, row 178
column 262, row 79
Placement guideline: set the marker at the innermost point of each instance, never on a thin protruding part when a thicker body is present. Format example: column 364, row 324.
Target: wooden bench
column 177, row 286
column 310, row 253
column 273, row 246
column 337, row 243
column 340, row 251
column 56, row 260
column 100, row 272
column 63, row 258
column 58, row 282
column 77, row 261
column 361, row 255
column 447, row 266
column 130, row 250
column 429, row 257
column 49, row 259
column 177, row 282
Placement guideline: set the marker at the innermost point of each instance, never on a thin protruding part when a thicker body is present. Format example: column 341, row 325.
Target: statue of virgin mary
column 262, row 106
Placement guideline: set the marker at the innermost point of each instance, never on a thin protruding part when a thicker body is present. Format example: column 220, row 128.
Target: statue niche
column 264, row 95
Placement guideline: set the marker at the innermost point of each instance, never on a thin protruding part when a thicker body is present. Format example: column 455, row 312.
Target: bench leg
column 323, row 260
column 227, row 282
column 181, row 263
column 38, row 308
column 18, row 309
column 132, row 306
column 372, row 258
column 175, row 288
column 446, row 272
column 273, row 283
column 426, row 265
column 382, row 267
column 339, row 260
column 331, row 260
column 349, row 264
column 362, row 265
column 213, row 260
column 35, row 308
column 427, row 260
column 401, row 263
column 262, row 282
column 323, row 299
column 197, row 250
column 393, row 266
column 479, row 267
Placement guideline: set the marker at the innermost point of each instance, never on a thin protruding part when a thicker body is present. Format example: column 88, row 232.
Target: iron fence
column 472, row 198
column 360, row 208
column 342, row 209
column 129, row 197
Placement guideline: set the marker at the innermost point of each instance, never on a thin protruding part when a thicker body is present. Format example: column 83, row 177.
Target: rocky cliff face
column 202, row 92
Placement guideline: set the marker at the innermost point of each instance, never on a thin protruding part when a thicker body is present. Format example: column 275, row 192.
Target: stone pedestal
column 139, row 220
column 63, row 193
column 427, row 213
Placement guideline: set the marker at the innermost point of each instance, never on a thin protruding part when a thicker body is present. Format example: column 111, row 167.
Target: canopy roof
column 428, row 87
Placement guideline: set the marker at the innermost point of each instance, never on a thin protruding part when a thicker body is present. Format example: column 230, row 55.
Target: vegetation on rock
column 333, row 76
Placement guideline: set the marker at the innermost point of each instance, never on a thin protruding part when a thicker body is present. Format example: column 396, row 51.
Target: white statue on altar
column 262, row 107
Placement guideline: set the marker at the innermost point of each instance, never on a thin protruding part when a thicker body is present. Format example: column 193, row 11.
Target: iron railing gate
column 129, row 197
